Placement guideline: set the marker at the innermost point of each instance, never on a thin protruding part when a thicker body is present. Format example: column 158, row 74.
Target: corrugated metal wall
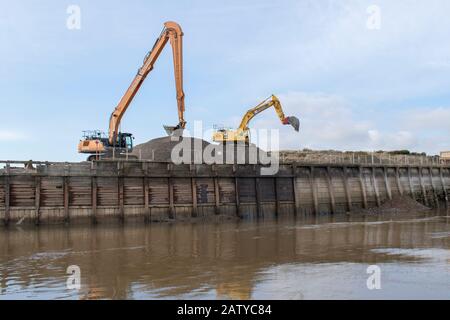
column 128, row 188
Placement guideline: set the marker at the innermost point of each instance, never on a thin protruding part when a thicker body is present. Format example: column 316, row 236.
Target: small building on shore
column 445, row 156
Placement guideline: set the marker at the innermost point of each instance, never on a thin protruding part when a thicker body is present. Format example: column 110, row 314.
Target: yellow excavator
column 242, row 133
column 119, row 144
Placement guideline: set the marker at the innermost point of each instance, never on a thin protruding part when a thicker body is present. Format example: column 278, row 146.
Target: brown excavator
column 119, row 144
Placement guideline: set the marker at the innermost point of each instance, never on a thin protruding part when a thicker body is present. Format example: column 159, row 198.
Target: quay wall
column 101, row 191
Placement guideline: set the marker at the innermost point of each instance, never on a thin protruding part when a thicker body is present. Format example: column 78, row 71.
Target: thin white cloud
column 429, row 118
column 7, row 135
column 327, row 43
column 331, row 122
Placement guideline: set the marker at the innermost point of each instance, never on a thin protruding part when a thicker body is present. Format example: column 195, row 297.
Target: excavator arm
column 269, row 102
column 241, row 134
column 172, row 32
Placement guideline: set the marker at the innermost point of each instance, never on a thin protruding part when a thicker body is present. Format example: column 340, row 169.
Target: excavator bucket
column 173, row 131
column 293, row 121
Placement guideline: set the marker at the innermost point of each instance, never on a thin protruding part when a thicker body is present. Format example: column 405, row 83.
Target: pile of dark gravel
column 160, row 150
column 398, row 204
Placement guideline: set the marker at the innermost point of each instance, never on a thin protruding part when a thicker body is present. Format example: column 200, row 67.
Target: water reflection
column 324, row 257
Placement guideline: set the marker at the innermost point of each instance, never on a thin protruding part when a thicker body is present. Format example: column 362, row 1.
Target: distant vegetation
column 403, row 152
column 394, row 152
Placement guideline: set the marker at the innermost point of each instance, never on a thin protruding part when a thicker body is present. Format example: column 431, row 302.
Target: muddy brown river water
column 326, row 257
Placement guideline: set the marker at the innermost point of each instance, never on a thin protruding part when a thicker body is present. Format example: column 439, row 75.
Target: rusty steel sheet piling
column 100, row 191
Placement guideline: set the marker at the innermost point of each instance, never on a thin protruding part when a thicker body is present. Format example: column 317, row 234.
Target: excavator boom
column 172, row 32
column 272, row 101
column 120, row 144
column 241, row 134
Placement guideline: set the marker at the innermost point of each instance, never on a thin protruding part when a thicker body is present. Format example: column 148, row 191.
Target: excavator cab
column 96, row 143
column 125, row 141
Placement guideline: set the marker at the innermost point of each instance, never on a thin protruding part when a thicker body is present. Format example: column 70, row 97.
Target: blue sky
column 352, row 87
